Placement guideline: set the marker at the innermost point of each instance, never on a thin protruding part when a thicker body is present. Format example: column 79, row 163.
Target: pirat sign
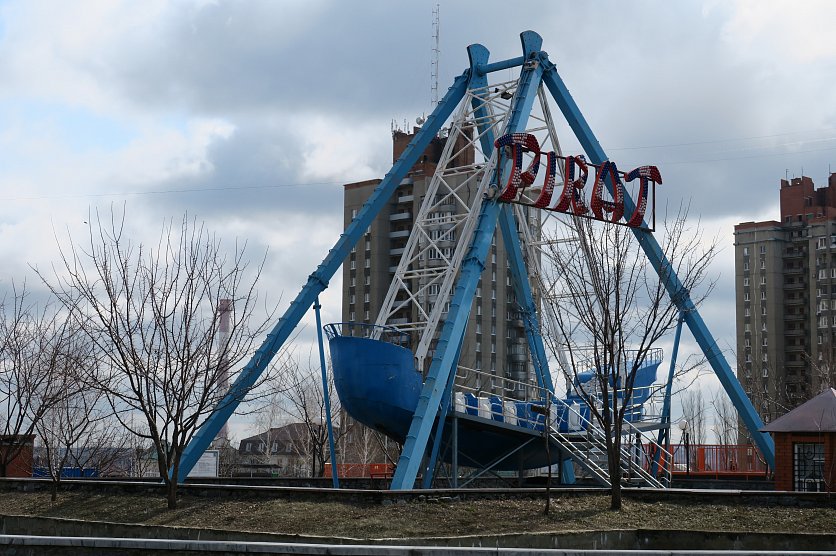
column 571, row 199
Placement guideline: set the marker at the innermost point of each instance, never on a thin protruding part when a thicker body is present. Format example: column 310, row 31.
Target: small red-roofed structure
column 805, row 445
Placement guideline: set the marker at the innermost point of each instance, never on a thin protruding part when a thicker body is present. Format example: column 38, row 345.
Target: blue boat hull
column 377, row 383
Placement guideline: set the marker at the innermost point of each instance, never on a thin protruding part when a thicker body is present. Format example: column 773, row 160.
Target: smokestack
column 224, row 310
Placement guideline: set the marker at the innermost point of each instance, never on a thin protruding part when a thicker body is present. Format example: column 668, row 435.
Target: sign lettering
column 571, row 199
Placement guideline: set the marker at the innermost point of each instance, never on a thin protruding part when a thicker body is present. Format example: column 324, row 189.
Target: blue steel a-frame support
column 318, row 281
column 536, row 68
column 680, row 296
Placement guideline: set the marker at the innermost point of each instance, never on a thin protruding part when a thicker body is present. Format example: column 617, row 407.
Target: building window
column 763, row 327
column 746, row 265
column 352, row 316
column 351, row 299
column 764, row 343
column 747, row 342
column 747, row 328
column 763, row 264
column 745, row 251
column 366, row 297
column 822, row 322
column 764, row 358
column 353, row 264
column 822, row 273
column 745, row 296
column 746, row 281
column 821, row 243
column 478, row 346
column 763, row 280
column 746, row 312
column 833, row 272
column 763, row 296
column 763, row 310
column 748, row 357
column 368, row 280
column 368, row 263
column 808, row 466
column 763, row 249
column 766, row 372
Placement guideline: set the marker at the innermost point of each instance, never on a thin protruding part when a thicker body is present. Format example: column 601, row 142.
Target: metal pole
column 455, row 458
column 334, row 470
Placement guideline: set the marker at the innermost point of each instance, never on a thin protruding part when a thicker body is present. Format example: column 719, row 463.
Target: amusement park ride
column 413, row 396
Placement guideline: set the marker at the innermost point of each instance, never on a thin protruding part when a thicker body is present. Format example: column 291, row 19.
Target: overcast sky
column 250, row 115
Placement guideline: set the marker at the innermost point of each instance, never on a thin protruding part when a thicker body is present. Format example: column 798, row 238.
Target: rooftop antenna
column 434, row 63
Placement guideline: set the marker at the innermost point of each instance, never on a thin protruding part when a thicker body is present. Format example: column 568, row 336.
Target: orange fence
column 368, row 470
column 717, row 460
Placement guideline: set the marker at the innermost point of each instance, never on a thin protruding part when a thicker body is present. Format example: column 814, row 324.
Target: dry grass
column 419, row 519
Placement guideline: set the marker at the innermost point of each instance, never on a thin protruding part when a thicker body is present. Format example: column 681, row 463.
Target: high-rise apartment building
column 785, row 285
column 495, row 341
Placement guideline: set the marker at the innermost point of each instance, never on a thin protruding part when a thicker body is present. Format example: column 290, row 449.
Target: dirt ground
column 431, row 517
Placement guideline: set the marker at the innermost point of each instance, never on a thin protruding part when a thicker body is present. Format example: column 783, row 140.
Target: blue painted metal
column 452, row 332
column 478, row 55
column 664, row 437
column 326, row 396
column 318, row 281
column 525, row 297
column 678, row 293
column 485, row 68
column 446, row 403
column 376, row 382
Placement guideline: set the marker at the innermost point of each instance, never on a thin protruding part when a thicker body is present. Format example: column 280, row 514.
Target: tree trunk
column 615, row 492
column 172, row 494
column 55, row 484
column 614, row 461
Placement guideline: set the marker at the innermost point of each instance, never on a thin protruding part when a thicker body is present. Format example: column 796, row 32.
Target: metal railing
column 585, row 440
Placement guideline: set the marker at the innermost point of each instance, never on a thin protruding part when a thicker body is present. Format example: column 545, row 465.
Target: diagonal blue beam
column 678, row 293
column 525, row 297
column 318, row 281
column 519, row 275
column 452, row 333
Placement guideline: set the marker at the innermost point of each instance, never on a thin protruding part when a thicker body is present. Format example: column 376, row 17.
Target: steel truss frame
column 536, row 68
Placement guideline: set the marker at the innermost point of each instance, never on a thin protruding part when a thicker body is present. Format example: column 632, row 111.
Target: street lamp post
column 683, row 426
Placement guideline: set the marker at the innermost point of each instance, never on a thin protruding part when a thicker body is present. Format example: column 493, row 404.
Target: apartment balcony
column 406, row 198
column 796, row 271
column 795, row 318
column 801, row 286
column 397, row 252
column 398, row 234
column 797, row 301
column 794, row 349
column 400, row 217
column 795, row 333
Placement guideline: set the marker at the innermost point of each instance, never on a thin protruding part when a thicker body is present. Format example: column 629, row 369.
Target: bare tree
column 79, row 432
column 725, row 425
column 33, row 354
column 611, row 306
column 151, row 313
column 695, row 410
column 306, row 404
